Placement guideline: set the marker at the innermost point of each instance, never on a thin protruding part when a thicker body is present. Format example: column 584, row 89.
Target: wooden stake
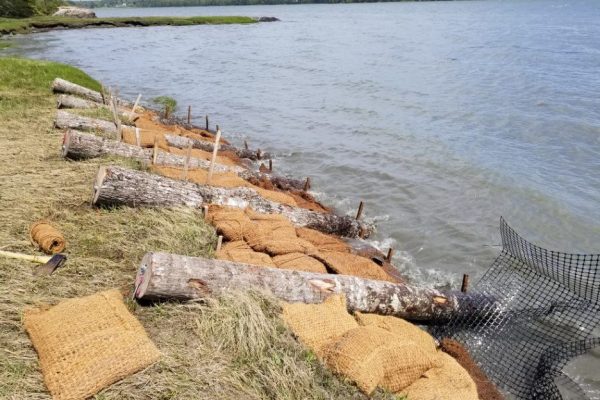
column 219, row 242
column 205, row 211
column 214, row 157
column 360, row 210
column 115, row 114
column 390, row 254
column 270, row 165
column 137, row 137
column 245, row 145
column 206, row 117
column 259, row 154
column 189, row 115
column 186, row 164
column 155, row 151
column 307, row 184
column 137, row 101
column 465, row 283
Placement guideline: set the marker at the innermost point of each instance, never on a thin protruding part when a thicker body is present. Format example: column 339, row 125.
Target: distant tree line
column 183, row 3
column 28, row 8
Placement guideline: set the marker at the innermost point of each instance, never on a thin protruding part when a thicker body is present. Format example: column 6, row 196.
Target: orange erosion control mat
column 86, row 344
column 376, row 351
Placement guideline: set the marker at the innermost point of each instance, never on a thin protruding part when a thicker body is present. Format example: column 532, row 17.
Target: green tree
column 16, row 8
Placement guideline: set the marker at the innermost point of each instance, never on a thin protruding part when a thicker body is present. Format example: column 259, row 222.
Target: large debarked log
column 164, row 276
column 62, row 86
column 81, row 146
column 67, row 120
column 121, row 186
column 183, row 143
column 68, row 101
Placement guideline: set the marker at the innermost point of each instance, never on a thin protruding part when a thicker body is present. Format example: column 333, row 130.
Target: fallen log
column 164, row 276
column 68, row 101
column 82, row 146
column 184, row 142
column 66, row 120
column 62, row 86
column 120, row 186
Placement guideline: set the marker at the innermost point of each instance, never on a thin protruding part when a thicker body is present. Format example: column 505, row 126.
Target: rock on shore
column 76, row 12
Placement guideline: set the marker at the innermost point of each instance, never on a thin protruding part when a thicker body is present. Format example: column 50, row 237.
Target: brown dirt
column 485, row 388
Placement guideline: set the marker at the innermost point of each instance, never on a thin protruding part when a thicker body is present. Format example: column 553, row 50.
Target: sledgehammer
column 49, row 263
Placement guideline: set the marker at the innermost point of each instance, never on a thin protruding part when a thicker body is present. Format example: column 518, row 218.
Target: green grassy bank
column 233, row 347
column 37, row 24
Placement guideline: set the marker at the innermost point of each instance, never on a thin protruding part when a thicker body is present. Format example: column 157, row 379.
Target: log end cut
column 143, row 276
column 98, row 183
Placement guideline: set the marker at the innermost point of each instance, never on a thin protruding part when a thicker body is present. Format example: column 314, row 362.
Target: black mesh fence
column 548, row 304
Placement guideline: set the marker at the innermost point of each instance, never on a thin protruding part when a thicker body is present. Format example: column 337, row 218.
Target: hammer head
column 56, row 261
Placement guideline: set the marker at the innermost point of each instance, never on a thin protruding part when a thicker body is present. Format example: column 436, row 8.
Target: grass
column 43, row 23
column 230, row 347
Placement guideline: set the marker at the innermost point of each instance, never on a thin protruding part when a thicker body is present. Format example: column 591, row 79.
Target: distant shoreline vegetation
column 192, row 3
column 47, row 23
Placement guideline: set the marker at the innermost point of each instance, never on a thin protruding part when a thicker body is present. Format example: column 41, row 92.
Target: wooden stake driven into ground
column 137, row 101
column 174, row 277
column 214, row 156
column 122, row 186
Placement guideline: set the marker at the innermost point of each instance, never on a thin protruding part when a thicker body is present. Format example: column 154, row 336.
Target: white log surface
column 164, row 276
column 122, row 186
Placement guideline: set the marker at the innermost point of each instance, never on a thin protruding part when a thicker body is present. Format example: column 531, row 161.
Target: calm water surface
column 440, row 116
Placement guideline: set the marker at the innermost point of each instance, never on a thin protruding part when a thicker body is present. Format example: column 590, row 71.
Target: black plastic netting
column 547, row 306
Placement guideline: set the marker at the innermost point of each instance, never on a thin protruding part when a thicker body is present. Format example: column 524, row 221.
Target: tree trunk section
column 63, row 86
column 183, row 143
column 68, row 101
column 121, row 186
column 164, row 276
column 82, row 146
column 66, row 120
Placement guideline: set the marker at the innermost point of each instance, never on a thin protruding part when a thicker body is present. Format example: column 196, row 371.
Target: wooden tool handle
column 27, row 257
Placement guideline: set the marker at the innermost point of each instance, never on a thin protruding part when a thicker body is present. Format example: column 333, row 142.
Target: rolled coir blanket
column 50, row 240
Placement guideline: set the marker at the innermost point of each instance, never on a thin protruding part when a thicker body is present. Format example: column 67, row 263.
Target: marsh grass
column 233, row 347
column 43, row 23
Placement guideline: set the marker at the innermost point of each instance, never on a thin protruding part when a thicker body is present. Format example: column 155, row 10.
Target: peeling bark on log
column 116, row 185
column 183, row 143
column 66, row 120
column 67, row 101
column 164, row 276
column 81, row 146
column 62, row 86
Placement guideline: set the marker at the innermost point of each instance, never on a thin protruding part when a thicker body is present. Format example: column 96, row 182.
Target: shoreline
column 9, row 26
column 104, row 247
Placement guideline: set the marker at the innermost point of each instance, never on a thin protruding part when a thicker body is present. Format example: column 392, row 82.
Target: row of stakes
column 465, row 280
